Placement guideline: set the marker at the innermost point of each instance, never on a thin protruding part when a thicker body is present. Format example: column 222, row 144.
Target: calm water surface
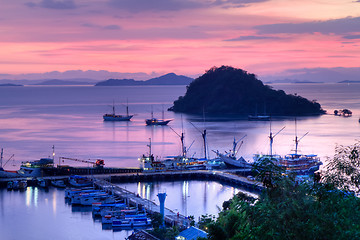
column 33, row 118
column 37, row 214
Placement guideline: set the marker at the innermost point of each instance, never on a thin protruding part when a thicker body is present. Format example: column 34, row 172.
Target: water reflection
column 187, row 197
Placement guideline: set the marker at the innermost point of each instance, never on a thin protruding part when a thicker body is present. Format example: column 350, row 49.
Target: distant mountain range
column 168, row 79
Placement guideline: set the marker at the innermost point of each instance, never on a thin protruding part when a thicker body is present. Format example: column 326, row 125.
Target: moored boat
column 154, row 121
column 299, row 164
column 115, row 117
column 58, row 183
column 230, row 159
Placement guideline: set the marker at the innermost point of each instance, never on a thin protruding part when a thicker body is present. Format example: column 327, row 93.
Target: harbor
column 81, row 133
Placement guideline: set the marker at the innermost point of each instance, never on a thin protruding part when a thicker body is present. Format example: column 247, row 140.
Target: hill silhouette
column 227, row 90
column 167, row 79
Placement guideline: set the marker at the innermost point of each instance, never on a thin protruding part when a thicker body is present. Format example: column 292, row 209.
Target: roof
column 192, row 233
column 141, row 235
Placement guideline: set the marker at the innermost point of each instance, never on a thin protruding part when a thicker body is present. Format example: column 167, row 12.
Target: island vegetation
column 227, row 90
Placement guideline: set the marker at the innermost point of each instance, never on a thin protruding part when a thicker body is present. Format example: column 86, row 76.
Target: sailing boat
column 229, row 158
column 259, row 117
column 300, row 164
column 113, row 117
column 155, row 121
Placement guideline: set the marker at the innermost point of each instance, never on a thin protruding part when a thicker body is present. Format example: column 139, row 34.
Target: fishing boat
column 89, row 199
column 58, row 183
column 148, row 163
column 257, row 117
column 299, row 164
column 230, row 159
column 80, row 181
column 9, row 185
column 6, row 173
column 131, row 222
column 154, row 121
column 42, row 183
column 22, row 184
column 114, row 117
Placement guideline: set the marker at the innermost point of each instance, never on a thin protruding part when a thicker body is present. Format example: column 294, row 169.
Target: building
column 192, row 233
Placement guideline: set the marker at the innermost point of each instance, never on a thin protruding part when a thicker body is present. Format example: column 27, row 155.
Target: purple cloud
column 176, row 5
column 54, row 4
column 352, row 36
column 336, row 26
column 245, row 38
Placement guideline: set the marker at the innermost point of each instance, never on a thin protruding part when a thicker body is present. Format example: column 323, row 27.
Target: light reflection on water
column 37, row 213
column 187, row 197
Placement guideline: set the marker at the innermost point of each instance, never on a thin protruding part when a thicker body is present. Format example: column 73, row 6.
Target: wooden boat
column 114, row 117
column 154, row 121
column 58, row 183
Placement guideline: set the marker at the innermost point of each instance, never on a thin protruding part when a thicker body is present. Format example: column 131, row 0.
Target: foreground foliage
column 291, row 210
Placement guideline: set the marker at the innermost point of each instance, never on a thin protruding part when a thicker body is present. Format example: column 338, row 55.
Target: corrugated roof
column 193, row 233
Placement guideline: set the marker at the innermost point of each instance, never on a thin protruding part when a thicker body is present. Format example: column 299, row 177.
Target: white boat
column 6, row 173
column 230, row 159
column 114, row 117
column 154, row 121
column 35, row 168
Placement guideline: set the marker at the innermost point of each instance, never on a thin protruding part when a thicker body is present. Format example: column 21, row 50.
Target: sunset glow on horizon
column 186, row 37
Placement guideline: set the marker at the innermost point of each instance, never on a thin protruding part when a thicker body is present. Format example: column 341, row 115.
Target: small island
column 10, row 85
column 228, row 90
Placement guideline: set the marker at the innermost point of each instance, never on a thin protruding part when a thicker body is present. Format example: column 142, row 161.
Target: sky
column 187, row 37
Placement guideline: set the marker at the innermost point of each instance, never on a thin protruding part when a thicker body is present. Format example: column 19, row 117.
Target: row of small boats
column 112, row 212
column 74, row 181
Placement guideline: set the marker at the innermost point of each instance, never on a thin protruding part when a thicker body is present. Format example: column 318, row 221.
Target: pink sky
column 182, row 36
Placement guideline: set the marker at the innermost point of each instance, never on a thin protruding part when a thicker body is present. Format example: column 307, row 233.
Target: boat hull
column 113, row 118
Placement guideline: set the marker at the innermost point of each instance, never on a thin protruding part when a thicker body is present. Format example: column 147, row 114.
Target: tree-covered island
column 228, row 90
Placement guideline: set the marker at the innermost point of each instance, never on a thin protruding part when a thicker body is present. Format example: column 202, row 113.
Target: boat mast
column 113, row 107
column 297, row 140
column 149, row 145
column 203, row 134
column 271, row 136
column 127, row 107
column 1, row 158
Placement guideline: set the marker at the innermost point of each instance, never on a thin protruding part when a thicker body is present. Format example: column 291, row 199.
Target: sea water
column 34, row 118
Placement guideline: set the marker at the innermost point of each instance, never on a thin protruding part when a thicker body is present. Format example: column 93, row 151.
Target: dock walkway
column 171, row 218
